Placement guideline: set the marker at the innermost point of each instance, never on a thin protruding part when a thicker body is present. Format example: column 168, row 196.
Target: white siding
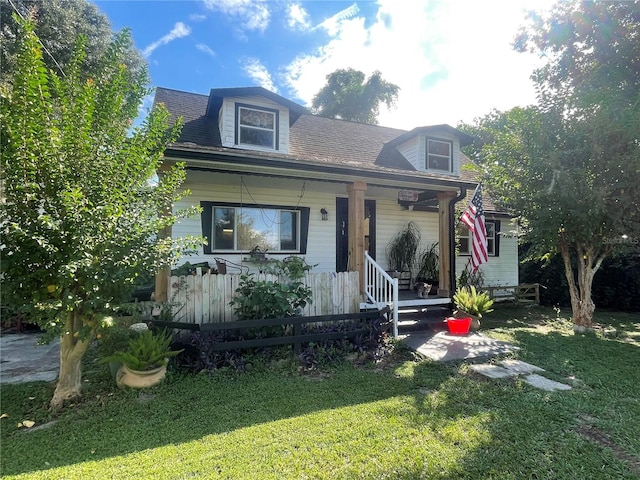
column 321, row 246
column 227, row 121
column 251, row 189
column 500, row 270
column 411, row 151
column 391, row 218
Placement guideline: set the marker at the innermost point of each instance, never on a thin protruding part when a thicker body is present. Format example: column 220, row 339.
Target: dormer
column 434, row 149
column 253, row 118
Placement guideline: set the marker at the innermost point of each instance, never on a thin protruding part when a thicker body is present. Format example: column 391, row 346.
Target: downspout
column 452, row 237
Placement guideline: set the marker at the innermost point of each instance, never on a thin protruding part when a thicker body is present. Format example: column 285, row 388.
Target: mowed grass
column 404, row 418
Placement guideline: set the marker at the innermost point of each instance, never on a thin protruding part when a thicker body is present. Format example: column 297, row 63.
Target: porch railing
column 381, row 289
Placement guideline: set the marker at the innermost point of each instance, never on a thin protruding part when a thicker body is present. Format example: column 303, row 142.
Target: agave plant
column 146, row 351
column 472, row 302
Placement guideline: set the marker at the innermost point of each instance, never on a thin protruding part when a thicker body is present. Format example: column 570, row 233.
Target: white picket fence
column 205, row 298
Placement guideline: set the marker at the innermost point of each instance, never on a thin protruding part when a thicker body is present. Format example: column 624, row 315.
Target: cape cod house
column 268, row 174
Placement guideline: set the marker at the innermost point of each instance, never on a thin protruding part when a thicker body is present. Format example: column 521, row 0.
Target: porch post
column 444, row 239
column 161, row 291
column 356, row 229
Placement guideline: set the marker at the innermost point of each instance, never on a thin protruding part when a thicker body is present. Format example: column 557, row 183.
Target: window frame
column 491, row 239
column 207, row 221
column 449, row 157
column 275, row 130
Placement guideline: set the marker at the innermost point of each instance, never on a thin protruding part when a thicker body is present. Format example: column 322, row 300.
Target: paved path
column 23, row 360
column 443, row 347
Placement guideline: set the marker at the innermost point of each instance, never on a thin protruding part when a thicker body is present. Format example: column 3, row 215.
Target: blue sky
column 451, row 58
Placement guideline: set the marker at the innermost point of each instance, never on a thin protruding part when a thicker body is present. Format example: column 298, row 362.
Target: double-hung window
column 439, row 155
column 241, row 228
column 465, row 239
column 256, row 127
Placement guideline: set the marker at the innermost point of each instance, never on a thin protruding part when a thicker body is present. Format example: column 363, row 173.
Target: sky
column 452, row 59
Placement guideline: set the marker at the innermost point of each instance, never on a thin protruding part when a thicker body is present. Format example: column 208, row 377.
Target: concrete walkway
column 23, row 360
column 443, row 347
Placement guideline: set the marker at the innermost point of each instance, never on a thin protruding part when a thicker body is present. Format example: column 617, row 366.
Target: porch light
column 325, row 214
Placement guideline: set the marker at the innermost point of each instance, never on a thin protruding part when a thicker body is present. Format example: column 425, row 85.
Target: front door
column 342, row 231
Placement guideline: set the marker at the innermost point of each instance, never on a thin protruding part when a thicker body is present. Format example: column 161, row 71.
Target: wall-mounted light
column 324, row 213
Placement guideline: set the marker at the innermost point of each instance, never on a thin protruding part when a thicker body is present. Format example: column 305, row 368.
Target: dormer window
column 439, row 155
column 256, row 127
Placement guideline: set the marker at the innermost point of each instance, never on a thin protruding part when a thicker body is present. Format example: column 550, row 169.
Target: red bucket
column 458, row 326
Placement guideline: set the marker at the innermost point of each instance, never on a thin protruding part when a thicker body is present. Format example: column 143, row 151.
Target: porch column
column 161, row 291
column 356, row 229
column 444, row 239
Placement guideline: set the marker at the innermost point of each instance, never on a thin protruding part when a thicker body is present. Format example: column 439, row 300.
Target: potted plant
column 144, row 362
column 401, row 253
column 473, row 304
column 429, row 266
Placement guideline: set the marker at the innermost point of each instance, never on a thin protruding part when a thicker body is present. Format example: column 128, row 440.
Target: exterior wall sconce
column 324, row 213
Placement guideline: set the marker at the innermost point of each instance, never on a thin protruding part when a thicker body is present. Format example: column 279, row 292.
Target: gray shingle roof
column 312, row 137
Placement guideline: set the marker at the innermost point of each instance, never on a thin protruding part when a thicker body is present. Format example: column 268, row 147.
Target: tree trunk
column 582, row 306
column 72, row 349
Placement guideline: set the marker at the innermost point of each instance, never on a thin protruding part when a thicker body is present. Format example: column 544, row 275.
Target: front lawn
column 403, row 418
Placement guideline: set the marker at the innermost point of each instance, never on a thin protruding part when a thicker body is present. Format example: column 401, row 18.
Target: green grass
column 406, row 418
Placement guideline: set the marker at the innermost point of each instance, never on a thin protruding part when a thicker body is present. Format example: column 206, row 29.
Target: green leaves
column 80, row 213
column 347, row 96
column 473, row 302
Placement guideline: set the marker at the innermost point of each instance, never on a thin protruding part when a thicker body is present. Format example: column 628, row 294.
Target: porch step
column 412, row 303
column 430, row 318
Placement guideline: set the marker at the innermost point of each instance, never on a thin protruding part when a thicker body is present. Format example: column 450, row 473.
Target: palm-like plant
column 472, row 302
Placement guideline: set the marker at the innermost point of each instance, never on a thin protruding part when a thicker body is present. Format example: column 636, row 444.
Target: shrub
column 286, row 297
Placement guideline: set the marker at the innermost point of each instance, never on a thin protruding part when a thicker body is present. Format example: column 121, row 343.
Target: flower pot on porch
column 140, row 378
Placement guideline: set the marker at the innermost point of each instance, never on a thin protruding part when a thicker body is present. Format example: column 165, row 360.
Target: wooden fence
column 205, row 298
column 525, row 292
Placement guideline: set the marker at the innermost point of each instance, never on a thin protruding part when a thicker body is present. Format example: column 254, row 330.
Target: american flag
column 473, row 217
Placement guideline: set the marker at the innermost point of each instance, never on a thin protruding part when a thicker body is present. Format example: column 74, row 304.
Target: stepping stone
column 492, row 371
column 545, row 384
column 518, row 367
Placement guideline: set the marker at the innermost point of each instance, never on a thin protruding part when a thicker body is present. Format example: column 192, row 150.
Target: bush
column 286, row 297
column 199, row 356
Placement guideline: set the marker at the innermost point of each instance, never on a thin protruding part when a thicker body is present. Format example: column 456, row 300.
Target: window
column 439, row 155
column 257, row 127
column 240, row 228
column 465, row 237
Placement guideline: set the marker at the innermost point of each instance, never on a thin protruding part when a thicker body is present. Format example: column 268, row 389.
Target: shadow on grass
column 483, row 427
column 185, row 408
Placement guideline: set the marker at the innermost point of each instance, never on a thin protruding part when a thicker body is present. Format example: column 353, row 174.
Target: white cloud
column 333, row 24
column 259, row 74
column 206, row 49
column 297, row 17
column 179, row 30
column 197, row 17
column 254, row 14
column 451, row 58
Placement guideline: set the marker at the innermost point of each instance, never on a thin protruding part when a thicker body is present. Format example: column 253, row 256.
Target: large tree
column 58, row 23
column 569, row 166
column 349, row 97
column 80, row 214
